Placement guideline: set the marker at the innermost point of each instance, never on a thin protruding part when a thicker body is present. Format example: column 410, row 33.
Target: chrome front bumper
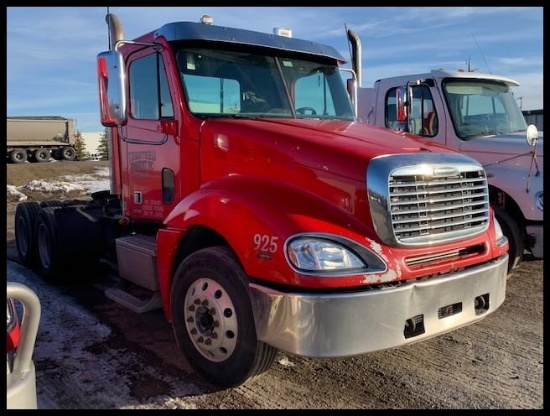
column 345, row 324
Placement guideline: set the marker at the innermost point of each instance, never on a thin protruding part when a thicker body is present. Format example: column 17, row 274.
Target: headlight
column 331, row 255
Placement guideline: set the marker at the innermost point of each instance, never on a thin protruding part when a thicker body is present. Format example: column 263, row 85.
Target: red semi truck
column 248, row 202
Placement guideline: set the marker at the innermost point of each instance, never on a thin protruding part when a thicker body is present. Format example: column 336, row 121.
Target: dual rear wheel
column 18, row 156
column 25, row 217
column 212, row 314
column 37, row 238
column 42, row 154
column 58, row 245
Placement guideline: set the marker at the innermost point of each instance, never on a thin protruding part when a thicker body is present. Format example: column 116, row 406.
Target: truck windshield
column 482, row 108
column 239, row 84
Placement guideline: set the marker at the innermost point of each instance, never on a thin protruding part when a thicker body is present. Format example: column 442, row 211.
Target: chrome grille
column 426, row 203
column 424, row 207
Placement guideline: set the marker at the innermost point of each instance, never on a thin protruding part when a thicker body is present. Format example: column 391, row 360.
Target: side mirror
column 112, row 92
column 351, row 86
column 401, row 104
column 532, row 135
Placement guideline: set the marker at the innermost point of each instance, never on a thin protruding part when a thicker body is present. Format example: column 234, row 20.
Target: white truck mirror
column 532, row 135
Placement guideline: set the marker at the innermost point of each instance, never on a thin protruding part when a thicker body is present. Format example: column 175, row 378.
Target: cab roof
column 201, row 31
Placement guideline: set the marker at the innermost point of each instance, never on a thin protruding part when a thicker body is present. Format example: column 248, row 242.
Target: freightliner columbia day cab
column 249, row 204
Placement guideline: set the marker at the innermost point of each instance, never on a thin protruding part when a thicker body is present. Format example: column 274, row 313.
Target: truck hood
column 495, row 148
column 337, row 136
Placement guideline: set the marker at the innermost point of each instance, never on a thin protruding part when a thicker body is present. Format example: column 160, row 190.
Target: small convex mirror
column 532, row 134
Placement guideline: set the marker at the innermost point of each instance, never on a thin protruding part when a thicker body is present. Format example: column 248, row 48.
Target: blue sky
column 51, row 51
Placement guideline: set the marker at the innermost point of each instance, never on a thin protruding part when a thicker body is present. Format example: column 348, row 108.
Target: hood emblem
column 445, row 171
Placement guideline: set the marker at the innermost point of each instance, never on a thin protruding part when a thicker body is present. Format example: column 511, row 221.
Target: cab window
column 422, row 117
column 149, row 93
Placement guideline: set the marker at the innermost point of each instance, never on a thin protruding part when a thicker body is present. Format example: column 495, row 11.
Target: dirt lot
column 130, row 361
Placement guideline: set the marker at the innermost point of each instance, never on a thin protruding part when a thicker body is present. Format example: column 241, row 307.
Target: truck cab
column 248, row 203
column 475, row 114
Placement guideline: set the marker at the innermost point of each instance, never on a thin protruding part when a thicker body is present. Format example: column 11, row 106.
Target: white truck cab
column 475, row 114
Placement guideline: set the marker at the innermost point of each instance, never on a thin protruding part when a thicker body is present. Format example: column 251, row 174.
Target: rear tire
column 42, row 155
column 49, row 256
column 213, row 320
column 69, row 243
column 25, row 236
column 18, row 155
column 512, row 231
column 68, row 153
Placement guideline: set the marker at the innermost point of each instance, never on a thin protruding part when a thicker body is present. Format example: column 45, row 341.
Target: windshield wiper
column 227, row 115
column 493, row 132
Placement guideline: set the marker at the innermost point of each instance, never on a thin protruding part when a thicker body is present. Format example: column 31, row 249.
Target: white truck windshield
column 481, row 108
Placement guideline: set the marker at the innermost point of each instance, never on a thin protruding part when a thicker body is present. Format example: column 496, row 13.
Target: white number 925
column 265, row 243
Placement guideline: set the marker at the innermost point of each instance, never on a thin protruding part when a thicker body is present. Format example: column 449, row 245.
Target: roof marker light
column 207, row 19
column 281, row 31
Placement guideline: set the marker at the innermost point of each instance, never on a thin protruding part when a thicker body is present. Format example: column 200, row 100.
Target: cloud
column 51, row 51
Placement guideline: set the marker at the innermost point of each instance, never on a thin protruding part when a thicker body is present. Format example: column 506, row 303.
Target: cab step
column 138, row 304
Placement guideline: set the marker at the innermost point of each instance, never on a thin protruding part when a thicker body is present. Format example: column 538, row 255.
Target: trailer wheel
column 68, row 153
column 41, row 155
column 213, row 321
column 512, row 231
column 25, row 216
column 18, row 155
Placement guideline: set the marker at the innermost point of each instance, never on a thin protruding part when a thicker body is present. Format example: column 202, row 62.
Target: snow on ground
column 66, row 350
column 80, row 328
column 79, row 183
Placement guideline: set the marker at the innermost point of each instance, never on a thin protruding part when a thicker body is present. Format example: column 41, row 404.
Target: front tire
column 213, row 320
column 511, row 230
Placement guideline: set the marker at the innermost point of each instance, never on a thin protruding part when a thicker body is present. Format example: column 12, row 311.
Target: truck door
column 149, row 142
column 425, row 113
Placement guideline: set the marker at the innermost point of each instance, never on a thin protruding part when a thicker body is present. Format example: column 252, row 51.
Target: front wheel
column 512, row 231
column 213, row 321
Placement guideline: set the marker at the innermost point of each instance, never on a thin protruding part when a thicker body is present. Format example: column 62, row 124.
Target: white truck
column 475, row 114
